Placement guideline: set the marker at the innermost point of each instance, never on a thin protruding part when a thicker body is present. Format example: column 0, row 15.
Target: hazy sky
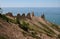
column 29, row 3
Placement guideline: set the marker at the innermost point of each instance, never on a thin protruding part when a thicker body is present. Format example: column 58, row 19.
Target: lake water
column 51, row 14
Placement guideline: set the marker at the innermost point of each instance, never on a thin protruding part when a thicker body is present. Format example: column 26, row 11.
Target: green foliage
column 47, row 30
column 12, row 21
column 17, row 21
column 55, row 27
column 4, row 17
column 24, row 26
column 1, row 37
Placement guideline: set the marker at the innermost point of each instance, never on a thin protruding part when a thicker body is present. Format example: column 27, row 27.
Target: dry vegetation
column 28, row 28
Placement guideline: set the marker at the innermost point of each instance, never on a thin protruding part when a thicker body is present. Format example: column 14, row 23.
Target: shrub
column 24, row 26
column 4, row 17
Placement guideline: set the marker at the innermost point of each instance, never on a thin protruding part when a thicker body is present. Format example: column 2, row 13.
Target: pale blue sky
column 30, row 3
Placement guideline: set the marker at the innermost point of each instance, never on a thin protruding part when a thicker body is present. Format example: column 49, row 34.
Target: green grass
column 36, row 28
column 24, row 26
column 4, row 17
column 7, row 19
column 2, row 37
column 49, row 31
column 55, row 27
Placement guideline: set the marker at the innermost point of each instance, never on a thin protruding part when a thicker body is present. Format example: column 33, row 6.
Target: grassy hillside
column 34, row 28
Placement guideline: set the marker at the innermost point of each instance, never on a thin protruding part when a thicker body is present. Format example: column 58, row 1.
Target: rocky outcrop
column 9, row 14
column 23, row 15
column 28, row 16
column 43, row 16
column 32, row 15
column 18, row 16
